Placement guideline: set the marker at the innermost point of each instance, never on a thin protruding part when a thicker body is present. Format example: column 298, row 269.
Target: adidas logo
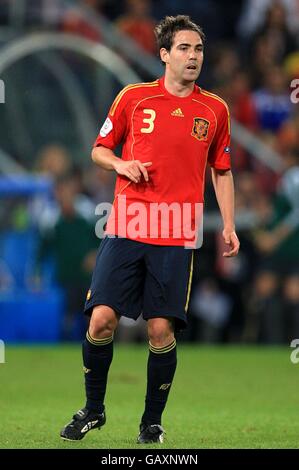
column 177, row 112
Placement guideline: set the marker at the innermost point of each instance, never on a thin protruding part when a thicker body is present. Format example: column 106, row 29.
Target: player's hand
column 231, row 239
column 132, row 169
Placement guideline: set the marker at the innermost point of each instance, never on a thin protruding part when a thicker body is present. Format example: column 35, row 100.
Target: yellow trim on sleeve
column 212, row 95
column 127, row 88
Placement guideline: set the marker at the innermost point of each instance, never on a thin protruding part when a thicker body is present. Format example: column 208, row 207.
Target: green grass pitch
column 222, row 397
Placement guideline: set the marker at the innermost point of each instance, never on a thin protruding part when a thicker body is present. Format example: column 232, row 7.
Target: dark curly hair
column 170, row 25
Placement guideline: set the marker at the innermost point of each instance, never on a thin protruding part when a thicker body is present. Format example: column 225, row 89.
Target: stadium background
column 62, row 63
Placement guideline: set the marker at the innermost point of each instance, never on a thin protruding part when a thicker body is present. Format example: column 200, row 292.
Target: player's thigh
column 118, row 277
column 168, row 283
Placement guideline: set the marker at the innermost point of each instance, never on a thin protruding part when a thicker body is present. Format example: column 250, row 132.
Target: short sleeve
column 114, row 129
column 219, row 153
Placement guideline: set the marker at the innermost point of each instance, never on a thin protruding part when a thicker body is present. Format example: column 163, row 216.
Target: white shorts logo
column 106, row 127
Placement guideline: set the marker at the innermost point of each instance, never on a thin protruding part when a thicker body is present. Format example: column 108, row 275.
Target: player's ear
column 164, row 55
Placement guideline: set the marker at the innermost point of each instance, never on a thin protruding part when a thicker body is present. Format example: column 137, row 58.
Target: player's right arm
column 113, row 132
column 132, row 169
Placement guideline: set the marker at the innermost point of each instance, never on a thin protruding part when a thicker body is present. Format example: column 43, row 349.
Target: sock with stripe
column 97, row 357
column 160, row 372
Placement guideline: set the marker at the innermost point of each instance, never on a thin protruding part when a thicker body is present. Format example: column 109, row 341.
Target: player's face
column 185, row 58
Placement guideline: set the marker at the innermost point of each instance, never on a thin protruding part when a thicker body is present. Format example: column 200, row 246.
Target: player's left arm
column 219, row 160
column 224, row 188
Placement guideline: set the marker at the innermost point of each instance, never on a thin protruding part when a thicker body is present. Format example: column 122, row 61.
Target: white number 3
column 149, row 121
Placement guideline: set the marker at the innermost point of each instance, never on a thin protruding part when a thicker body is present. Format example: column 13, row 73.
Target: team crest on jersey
column 200, row 128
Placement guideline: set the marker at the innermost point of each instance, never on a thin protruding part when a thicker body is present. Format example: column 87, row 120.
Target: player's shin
column 160, row 372
column 97, row 357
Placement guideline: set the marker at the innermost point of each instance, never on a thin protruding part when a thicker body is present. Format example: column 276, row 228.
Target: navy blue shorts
column 137, row 278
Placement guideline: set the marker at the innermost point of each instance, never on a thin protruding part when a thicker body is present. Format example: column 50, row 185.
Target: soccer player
column 170, row 129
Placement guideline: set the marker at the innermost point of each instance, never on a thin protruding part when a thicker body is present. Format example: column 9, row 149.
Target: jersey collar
column 195, row 91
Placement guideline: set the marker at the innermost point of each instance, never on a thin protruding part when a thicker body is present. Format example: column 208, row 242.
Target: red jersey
column 179, row 135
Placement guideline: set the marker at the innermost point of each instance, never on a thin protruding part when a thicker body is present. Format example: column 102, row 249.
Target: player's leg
column 161, row 368
column 116, row 289
column 165, row 304
column 97, row 351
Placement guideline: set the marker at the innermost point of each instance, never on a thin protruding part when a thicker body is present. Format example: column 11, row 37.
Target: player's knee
column 103, row 322
column 160, row 332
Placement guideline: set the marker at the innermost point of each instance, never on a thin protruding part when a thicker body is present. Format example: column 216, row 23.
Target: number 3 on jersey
column 149, row 121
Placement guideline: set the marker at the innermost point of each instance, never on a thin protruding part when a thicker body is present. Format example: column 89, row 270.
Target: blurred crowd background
column 59, row 83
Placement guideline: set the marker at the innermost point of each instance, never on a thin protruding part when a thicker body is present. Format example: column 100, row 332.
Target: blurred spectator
column 54, row 161
column 72, row 244
column 271, row 316
column 225, row 63
column 83, row 202
column 239, row 97
column 291, row 65
column 265, row 320
column 99, row 184
column 233, row 276
column 270, row 44
column 276, row 32
column 34, row 12
column 261, row 59
column 291, row 306
column 51, row 10
column 74, row 22
column 137, row 23
column 255, row 12
column 263, row 210
column 280, row 240
column 241, row 101
column 272, row 101
column 211, row 309
column 247, row 189
column 288, row 135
